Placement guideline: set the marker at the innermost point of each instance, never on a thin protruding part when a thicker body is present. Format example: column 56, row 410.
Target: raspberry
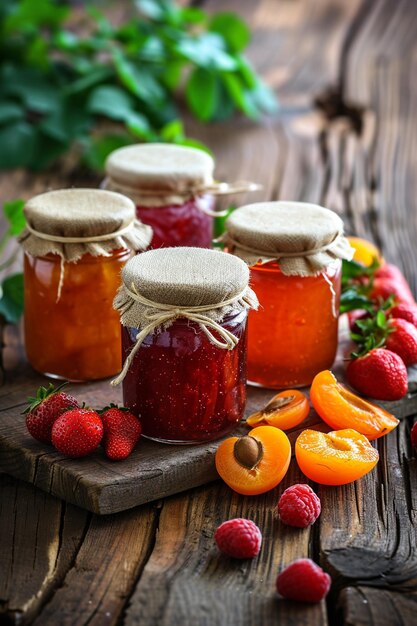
column 239, row 538
column 414, row 436
column 299, row 506
column 303, row 580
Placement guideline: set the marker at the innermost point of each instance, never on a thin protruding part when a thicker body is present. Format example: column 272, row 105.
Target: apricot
column 340, row 408
column 286, row 410
column 254, row 463
column 335, row 458
column 365, row 251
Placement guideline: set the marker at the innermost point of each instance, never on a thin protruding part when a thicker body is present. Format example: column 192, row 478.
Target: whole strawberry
column 380, row 374
column 403, row 340
column 405, row 311
column 43, row 409
column 383, row 288
column 122, row 430
column 77, row 432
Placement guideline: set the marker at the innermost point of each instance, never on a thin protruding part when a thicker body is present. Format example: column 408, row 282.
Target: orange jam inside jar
column 76, row 242
column 295, row 250
column 170, row 186
column 184, row 313
column 77, row 337
column 293, row 335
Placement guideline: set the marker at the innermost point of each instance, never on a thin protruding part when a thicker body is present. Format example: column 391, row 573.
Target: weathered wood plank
column 187, row 582
column 39, row 539
column 364, row 606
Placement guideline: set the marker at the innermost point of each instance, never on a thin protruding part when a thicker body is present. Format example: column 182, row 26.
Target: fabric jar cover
column 305, row 238
column 74, row 222
column 204, row 286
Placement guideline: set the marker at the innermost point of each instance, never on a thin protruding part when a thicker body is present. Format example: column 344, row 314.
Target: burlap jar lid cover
column 162, row 174
column 200, row 285
column 305, row 238
column 74, row 222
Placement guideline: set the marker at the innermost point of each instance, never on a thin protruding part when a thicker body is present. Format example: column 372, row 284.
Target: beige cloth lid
column 203, row 286
column 74, row 222
column 305, row 238
column 159, row 168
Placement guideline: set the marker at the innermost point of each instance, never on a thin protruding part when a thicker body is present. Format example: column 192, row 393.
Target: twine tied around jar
column 167, row 313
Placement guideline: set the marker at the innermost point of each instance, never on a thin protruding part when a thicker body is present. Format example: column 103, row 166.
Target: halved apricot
column 365, row 251
column 340, row 408
column 286, row 410
column 334, row 458
column 256, row 462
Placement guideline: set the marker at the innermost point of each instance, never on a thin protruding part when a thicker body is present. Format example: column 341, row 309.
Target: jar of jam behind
column 76, row 242
column 184, row 342
column 295, row 251
column 170, row 186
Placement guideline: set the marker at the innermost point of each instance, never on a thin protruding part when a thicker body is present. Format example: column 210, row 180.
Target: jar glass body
column 77, row 337
column 183, row 388
column 294, row 333
column 180, row 224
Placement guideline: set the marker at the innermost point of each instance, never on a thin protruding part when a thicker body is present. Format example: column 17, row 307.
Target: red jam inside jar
column 183, row 388
column 184, row 224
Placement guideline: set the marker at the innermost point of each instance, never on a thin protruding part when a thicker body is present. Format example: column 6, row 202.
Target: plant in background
column 57, row 86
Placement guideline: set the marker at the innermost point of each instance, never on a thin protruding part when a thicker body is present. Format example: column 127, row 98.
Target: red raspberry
column 304, row 581
column 299, row 506
column 414, row 436
column 239, row 538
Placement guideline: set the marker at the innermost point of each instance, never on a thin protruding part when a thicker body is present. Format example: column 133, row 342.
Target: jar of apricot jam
column 184, row 314
column 295, row 251
column 170, row 186
column 76, row 243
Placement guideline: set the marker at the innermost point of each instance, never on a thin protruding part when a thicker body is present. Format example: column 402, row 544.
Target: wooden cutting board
column 152, row 471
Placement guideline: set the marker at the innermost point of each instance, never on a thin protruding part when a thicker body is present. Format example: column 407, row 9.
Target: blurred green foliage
column 57, row 85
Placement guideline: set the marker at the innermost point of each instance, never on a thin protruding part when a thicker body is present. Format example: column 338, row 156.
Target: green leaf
column 201, row 93
column 138, row 80
column 10, row 111
column 173, row 131
column 235, row 89
column 194, row 143
column 151, row 8
column 13, row 210
column 381, row 319
column 36, row 92
column 98, row 149
column 233, row 30
column 97, row 75
column 18, row 143
column 29, row 14
column 112, row 102
column 207, row 50
column 11, row 300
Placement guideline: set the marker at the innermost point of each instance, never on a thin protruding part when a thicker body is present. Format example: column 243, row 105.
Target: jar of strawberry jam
column 183, row 312
column 294, row 250
column 76, row 242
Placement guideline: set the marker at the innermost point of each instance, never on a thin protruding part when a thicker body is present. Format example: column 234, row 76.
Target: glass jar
column 184, row 312
column 294, row 334
column 76, row 242
column 78, row 337
column 182, row 387
column 168, row 184
column 187, row 224
column 294, row 250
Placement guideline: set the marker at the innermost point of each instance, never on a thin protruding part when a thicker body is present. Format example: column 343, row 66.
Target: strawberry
column 388, row 270
column 383, row 288
column 77, row 432
column 405, row 311
column 45, row 408
column 379, row 374
column 122, row 430
column 403, row 340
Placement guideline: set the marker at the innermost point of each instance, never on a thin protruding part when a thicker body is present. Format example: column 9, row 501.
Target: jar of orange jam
column 76, row 243
column 295, row 251
column 184, row 314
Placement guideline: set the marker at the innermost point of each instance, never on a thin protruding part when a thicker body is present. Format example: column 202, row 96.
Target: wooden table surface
column 346, row 137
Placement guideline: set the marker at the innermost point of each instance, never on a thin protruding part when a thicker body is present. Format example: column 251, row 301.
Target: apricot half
column 335, row 458
column 254, row 463
column 365, row 251
column 340, row 408
column 286, row 410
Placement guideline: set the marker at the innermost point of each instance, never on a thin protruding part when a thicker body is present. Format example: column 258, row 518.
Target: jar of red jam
column 183, row 312
column 295, row 251
column 76, row 243
column 170, row 186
